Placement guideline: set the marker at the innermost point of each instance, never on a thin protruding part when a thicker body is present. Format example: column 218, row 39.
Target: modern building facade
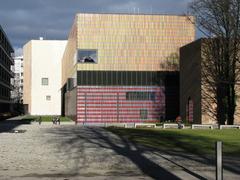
column 6, row 61
column 193, row 106
column 120, row 67
column 17, row 81
column 42, row 76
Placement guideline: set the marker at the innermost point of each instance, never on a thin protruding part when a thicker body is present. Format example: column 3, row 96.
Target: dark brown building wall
column 190, row 80
column 172, row 95
column 71, row 104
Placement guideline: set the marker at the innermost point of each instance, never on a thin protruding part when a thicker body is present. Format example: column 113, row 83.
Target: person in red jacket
column 179, row 122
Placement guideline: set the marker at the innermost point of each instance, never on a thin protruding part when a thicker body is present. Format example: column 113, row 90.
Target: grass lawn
column 45, row 118
column 187, row 140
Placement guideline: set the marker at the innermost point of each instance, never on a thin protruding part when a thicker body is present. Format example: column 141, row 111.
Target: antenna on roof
column 151, row 10
column 138, row 10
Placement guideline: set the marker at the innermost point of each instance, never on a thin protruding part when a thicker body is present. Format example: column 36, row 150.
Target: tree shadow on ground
column 183, row 145
column 7, row 126
column 78, row 140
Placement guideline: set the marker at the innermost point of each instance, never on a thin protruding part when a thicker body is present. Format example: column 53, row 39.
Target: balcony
column 11, row 74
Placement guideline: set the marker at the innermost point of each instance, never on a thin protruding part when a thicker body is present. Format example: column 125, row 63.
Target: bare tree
column 171, row 62
column 219, row 21
column 16, row 94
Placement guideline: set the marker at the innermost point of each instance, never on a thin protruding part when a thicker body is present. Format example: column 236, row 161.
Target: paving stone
column 77, row 152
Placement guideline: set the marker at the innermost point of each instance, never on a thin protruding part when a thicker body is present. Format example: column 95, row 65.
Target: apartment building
column 6, row 61
column 17, row 81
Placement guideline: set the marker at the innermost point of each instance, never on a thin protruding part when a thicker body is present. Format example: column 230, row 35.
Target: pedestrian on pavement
column 40, row 120
column 179, row 122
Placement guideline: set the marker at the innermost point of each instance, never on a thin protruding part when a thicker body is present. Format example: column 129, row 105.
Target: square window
column 48, row 98
column 44, row 81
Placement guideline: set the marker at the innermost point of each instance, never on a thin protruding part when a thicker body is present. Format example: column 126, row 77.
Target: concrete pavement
column 76, row 152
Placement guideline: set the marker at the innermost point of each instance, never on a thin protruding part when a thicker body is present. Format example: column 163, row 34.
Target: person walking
column 179, row 122
column 40, row 120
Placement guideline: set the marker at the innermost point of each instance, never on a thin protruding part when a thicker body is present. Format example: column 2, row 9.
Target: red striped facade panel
column 190, row 111
column 101, row 104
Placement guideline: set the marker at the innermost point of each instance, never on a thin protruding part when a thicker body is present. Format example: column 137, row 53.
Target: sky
column 24, row 20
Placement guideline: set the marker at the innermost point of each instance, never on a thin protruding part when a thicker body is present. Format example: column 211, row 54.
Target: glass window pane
column 87, row 56
column 140, row 96
column 143, row 113
column 44, row 81
column 48, row 98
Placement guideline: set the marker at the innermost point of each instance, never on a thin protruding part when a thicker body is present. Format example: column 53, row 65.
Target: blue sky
column 24, row 20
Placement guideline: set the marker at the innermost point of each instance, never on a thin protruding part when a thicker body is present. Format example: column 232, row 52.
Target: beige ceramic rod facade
column 42, row 59
column 126, row 42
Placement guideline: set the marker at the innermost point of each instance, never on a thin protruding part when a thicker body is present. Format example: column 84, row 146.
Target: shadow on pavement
column 230, row 163
column 102, row 139
column 135, row 154
column 8, row 125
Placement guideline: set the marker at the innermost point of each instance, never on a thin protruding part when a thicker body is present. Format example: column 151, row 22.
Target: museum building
column 123, row 67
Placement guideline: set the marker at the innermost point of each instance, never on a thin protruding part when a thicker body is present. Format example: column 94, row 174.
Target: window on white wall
column 45, row 81
column 48, row 98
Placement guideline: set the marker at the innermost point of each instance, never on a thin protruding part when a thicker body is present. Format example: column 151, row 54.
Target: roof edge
column 6, row 38
column 146, row 14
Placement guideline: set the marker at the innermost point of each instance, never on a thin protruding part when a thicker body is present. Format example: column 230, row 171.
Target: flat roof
column 1, row 29
column 146, row 14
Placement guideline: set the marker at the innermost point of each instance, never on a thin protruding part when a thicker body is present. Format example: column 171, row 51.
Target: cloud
column 18, row 52
column 52, row 19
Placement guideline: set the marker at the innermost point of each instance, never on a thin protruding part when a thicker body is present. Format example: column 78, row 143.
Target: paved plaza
column 68, row 151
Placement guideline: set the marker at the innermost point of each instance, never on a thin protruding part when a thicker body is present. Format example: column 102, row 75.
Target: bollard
column 219, row 168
